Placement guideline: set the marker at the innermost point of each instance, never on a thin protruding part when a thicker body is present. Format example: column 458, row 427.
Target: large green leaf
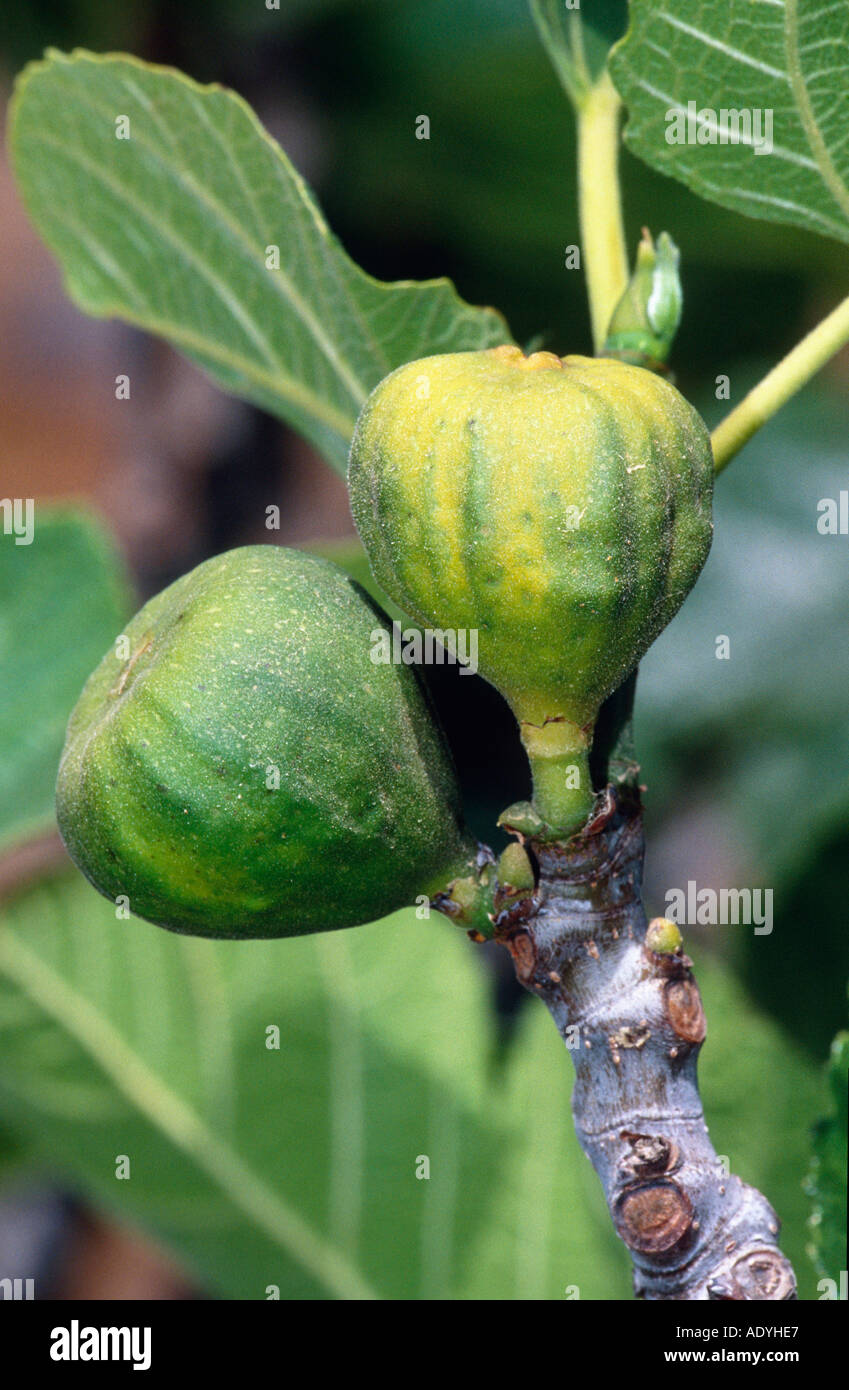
column 297, row 1167
column 170, row 229
column 62, row 601
column 293, row 1167
column 784, row 57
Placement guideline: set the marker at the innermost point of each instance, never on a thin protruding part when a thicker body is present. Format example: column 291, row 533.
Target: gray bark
column 633, row 1021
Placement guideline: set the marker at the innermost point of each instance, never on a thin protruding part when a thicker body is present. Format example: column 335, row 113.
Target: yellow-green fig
column 561, row 507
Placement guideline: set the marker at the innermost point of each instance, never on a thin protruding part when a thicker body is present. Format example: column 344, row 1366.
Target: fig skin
column 253, row 667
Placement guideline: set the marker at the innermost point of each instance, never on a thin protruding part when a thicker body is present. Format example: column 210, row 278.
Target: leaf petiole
column 792, row 373
column 600, row 204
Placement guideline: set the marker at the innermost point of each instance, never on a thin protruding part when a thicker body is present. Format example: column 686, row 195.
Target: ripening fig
column 560, row 506
column 247, row 770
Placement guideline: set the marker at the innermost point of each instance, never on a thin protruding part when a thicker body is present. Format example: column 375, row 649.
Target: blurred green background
column 744, row 760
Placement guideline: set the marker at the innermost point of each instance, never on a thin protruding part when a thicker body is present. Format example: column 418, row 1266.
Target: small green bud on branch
column 645, row 321
column 663, row 936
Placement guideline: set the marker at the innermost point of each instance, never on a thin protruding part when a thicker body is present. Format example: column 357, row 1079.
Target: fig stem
column 466, row 893
column 559, row 755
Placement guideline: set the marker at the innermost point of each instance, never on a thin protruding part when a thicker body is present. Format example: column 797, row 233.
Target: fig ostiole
column 561, row 507
column 243, row 769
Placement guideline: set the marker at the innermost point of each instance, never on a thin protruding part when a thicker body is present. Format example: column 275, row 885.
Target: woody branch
column 632, row 1019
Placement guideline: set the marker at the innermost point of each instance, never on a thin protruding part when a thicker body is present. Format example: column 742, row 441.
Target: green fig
column 239, row 766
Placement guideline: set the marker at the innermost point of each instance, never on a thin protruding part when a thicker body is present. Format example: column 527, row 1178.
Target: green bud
column 646, row 319
column 663, row 936
column 515, row 871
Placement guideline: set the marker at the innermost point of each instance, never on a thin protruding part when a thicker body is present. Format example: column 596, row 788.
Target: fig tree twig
column 632, row 1019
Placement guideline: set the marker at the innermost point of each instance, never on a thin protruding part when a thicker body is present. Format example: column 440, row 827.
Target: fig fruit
column 242, row 768
column 559, row 506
